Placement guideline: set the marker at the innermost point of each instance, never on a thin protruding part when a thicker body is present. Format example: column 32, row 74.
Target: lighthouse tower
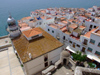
column 12, row 28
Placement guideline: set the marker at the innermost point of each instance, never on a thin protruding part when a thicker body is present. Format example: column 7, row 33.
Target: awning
column 50, row 68
column 68, row 48
column 93, row 58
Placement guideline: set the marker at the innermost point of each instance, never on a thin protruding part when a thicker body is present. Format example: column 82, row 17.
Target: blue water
column 22, row 8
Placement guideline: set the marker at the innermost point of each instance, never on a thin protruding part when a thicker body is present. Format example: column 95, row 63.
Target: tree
column 78, row 56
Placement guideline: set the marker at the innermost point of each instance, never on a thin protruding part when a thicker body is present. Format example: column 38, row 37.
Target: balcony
column 13, row 27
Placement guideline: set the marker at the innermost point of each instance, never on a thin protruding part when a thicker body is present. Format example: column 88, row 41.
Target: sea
column 22, row 8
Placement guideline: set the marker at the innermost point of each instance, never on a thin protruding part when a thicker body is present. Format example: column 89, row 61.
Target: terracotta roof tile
column 82, row 27
column 32, row 32
column 88, row 34
column 25, row 18
column 65, row 22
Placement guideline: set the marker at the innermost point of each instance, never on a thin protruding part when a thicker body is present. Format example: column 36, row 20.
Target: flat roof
column 73, row 26
column 26, row 18
column 36, row 47
column 9, row 63
column 53, row 26
column 77, row 30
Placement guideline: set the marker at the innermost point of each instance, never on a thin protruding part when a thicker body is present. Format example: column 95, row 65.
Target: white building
column 37, row 50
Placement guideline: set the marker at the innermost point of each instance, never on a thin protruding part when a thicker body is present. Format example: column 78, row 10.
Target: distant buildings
column 77, row 28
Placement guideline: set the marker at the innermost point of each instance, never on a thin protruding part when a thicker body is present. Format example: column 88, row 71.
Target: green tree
column 78, row 56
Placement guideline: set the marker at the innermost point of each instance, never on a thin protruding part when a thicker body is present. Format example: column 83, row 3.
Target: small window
column 90, row 26
column 63, row 37
column 52, row 31
column 45, row 59
column 97, row 53
column 46, row 64
column 78, row 45
column 94, row 26
column 89, row 29
column 89, row 49
column 92, row 41
column 48, row 29
column 83, row 20
column 70, row 41
column 99, row 44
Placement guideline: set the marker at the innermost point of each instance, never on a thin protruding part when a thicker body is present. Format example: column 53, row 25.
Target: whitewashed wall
column 37, row 64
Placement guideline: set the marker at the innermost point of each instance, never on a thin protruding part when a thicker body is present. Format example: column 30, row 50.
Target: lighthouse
column 12, row 28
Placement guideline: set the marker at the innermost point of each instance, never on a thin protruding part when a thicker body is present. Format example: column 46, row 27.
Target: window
column 89, row 49
column 97, row 53
column 78, row 45
column 48, row 29
column 13, row 23
column 52, row 31
column 83, row 20
column 92, row 41
column 85, row 41
column 70, row 41
column 45, row 59
column 63, row 37
column 89, row 29
column 83, row 49
column 94, row 26
column 99, row 44
column 90, row 26
column 46, row 64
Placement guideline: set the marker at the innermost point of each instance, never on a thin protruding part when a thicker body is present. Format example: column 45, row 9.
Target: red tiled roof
column 88, row 34
column 82, row 27
column 32, row 32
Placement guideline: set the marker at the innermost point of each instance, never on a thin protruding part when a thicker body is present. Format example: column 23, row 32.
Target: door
column 64, row 61
column 73, row 45
column 85, row 41
column 83, row 49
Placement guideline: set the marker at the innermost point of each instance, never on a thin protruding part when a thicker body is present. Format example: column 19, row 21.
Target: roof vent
column 30, row 56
